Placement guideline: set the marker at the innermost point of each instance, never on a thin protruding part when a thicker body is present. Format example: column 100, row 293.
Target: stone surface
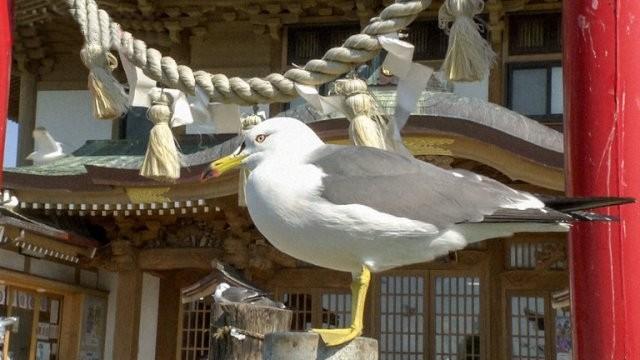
column 309, row 346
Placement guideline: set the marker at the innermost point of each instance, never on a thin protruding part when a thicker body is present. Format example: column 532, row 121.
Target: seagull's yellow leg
column 359, row 286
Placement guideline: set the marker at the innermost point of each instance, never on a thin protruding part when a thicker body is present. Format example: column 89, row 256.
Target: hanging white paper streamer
column 412, row 77
column 187, row 109
column 324, row 104
column 226, row 118
column 139, row 84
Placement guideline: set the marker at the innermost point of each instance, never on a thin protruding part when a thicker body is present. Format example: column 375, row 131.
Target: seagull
column 45, row 146
column 9, row 201
column 226, row 293
column 363, row 210
column 7, row 323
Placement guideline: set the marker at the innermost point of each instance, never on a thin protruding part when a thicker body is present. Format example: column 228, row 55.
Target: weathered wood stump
column 309, row 346
column 237, row 330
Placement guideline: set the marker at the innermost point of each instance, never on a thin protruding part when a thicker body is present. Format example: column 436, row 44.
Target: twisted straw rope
column 98, row 28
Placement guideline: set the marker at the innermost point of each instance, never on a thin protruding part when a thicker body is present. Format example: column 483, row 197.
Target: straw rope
column 98, row 27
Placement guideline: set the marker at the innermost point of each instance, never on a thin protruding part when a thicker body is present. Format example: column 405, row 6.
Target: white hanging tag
column 412, row 77
column 140, row 85
column 323, row 104
column 226, row 118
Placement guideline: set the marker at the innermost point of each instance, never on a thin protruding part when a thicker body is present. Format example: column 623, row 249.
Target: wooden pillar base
column 251, row 322
column 308, row 346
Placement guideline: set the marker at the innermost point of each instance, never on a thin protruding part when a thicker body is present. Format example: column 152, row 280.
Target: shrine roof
column 100, row 165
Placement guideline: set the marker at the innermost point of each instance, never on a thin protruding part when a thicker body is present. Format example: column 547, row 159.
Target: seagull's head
column 286, row 139
column 222, row 287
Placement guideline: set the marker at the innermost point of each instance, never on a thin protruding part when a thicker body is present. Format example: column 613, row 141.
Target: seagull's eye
column 260, row 138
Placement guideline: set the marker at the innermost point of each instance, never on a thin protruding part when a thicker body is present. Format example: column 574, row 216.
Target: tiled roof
column 122, row 154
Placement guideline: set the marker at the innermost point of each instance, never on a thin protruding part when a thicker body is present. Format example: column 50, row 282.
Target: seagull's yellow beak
column 222, row 165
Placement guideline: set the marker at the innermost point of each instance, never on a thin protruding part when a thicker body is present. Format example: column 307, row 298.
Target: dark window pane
column 529, row 91
column 308, row 43
column 430, row 41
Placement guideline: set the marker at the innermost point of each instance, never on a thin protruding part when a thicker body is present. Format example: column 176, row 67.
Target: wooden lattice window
column 535, row 34
column 457, row 318
column 196, row 324
column 318, row 308
column 306, row 43
column 336, row 310
column 301, row 304
column 430, row 41
column 527, row 327
column 402, row 317
column 531, row 255
column 536, row 330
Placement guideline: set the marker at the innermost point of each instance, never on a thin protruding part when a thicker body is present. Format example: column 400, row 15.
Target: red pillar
column 602, row 114
column 5, row 72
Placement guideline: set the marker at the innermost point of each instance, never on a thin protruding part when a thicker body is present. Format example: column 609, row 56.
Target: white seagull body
column 46, row 147
column 289, row 211
column 286, row 195
column 361, row 209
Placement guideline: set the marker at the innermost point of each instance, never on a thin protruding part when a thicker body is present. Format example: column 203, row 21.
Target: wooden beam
column 34, row 325
column 173, row 259
column 310, row 278
column 128, row 299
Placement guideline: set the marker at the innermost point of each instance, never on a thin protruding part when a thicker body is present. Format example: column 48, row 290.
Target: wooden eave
column 41, row 240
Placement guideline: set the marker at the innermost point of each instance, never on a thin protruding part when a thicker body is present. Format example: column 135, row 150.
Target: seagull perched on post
column 361, row 209
column 226, row 293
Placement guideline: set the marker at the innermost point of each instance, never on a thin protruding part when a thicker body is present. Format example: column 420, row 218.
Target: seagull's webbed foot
column 359, row 286
column 335, row 337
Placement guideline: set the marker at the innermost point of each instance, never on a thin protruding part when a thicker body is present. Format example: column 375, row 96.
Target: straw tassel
column 162, row 159
column 469, row 56
column 369, row 126
column 109, row 100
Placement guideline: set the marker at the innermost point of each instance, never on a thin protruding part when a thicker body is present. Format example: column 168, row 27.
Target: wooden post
column 308, row 346
column 256, row 321
column 26, row 116
column 128, row 298
column 5, row 345
column 34, row 327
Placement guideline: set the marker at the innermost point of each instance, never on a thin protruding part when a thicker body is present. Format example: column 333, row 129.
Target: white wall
column 66, row 114
column 477, row 89
column 108, row 281
column 148, row 317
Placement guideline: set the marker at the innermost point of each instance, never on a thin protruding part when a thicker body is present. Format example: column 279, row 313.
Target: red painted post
column 628, row 134
column 5, row 72
column 602, row 129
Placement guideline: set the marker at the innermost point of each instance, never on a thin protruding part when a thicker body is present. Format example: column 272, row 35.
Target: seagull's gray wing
column 238, row 294
column 406, row 187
